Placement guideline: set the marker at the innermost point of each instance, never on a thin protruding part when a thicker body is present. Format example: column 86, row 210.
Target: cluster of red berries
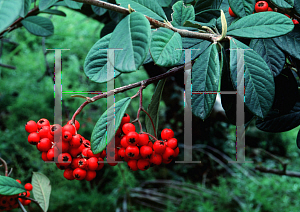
column 74, row 151
column 262, row 6
column 10, row 202
column 137, row 150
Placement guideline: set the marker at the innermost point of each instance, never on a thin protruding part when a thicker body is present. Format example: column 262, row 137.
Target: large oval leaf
column 45, row 4
column 271, row 54
column 182, row 13
column 100, row 134
column 41, row 189
column 283, row 3
column 9, row 12
column 164, row 45
column 206, row 76
column 9, row 186
column 164, row 3
column 39, row 26
column 146, row 7
column 95, row 64
column 133, row 36
column 290, row 43
column 261, row 25
column 73, row 4
column 259, row 81
column 242, row 7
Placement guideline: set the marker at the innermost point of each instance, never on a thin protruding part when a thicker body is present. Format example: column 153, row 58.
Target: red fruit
column 19, row 181
column 144, row 139
column 27, row 202
column 44, row 145
column 86, row 143
column 166, row 134
column 74, row 163
column 77, row 124
column 287, row 15
column 31, row 126
column 133, row 138
column 143, row 164
column 128, row 127
column 66, row 136
column 100, row 164
column 44, row 156
column 44, row 131
column 79, row 174
column 155, row 159
column 76, row 141
column 150, row 144
column 176, row 152
column 166, row 161
column 27, row 194
column 56, row 129
column 28, row 186
column 132, row 151
column 92, row 163
column 295, row 21
column 42, row 122
column 91, row 154
column 270, row 9
column 172, row 143
column 63, row 146
column 121, row 153
column 90, row 175
column 103, row 154
column 33, row 138
column 66, row 159
column 50, row 153
column 159, row 147
column 146, row 151
column 82, row 163
column 168, row 154
column 85, row 152
column 125, row 119
column 70, row 128
column 261, row 6
column 123, row 142
column 132, row 164
column 231, row 13
column 112, row 157
column 68, row 174
column 50, row 136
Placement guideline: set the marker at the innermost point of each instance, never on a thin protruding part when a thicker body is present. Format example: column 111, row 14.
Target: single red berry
column 86, row 143
column 66, row 160
column 76, row 151
column 155, row 159
column 159, row 147
column 63, row 146
column 295, row 21
column 68, row 174
column 125, row 119
column 44, row 131
column 90, row 175
column 91, row 154
column 287, row 15
column 79, row 174
column 123, row 142
column 70, row 128
column 166, row 161
column 74, row 163
column 103, row 154
column 100, row 164
column 27, row 202
column 28, row 186
column 44, row 156
column 50, row 153
column 172, row 143
column 132, row 164
column 150, row 144
column 77, row 124
column 143, row 164
column 42, row 122
column 85, row 152
column 76, row 141
column 82, row 163
column 56, row 129
column 50, row 136
column 67, row 136
column 168, row 154
column 261, row 6
column 27, row 194
column 146, row 151
column 121, row 153
column 231, row 13
column 133, row 138
column 92, row 163
column 270, row 9
column 19, row 181
column 166, row 134
column 144, row 139
column 128, row 127
column 33, row 138
column 132, row 151
column 31, row 126
column 44, row 145
column 176, row 152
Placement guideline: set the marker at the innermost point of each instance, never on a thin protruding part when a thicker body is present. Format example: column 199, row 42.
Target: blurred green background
column 27, row 93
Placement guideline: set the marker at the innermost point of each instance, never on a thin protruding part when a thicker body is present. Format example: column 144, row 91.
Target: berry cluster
column 78, row 160
column 137, row 150
column 261, row 6
column 10, row 202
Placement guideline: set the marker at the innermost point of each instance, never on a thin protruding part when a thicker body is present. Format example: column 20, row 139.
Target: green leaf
column 205, row 77
column 271, row 54
column 261, row 25
column 95, row 64
column 39, row 26
column 100, row 134
column 9, row 186
column 283, row 3
column 54, row 12
column 296, row 8
column 290, row 43
column 259, row 81
column 182, row 13
column 45, row 4
column 207, row 15
column 198, row 25
column 115, row 16
column 163, row 47
column 98, row 10
column 202, row 5
column 188, row 1
column 108, row 28
column 73, row 4
column 133, row 36
column 242, row 8
column 9, row 12
column 164, row 3
column 25, row 8
column 153, row 107
column 41, row 189
column 146, row 7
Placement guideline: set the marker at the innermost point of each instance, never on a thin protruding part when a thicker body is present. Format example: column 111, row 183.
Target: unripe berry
column 31, row 126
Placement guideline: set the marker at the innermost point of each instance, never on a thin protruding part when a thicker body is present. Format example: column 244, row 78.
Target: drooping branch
column 278, row 172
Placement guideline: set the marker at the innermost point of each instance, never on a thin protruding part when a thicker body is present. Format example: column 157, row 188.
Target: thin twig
column 5, row 166
column 32, row 200
column 7, row 66
column 278, row 172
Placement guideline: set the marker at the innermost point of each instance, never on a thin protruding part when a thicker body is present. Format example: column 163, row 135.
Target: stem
column 150, row 135
column 5, row 166
column 32, row 200
column 21, row 206
column 150, row 120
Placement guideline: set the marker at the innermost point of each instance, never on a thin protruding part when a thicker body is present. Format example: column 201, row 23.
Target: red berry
column 132, row 164
column 90, row 175
column 143, row 164
column 44, row 156
column 150, row 144
column 121, row 153
column 166, row 161
column 33, row 138
column 168, row 154
column 74, row 163
column 44, row 145
column 100, row 164
column 166, row 134
column 86, row 143
column 103, row 154
column 270, row 9
column 67, row 136
column 85, row 152
column 42, row 122
column 31, row 126
column 70, row 128
column 77, row 124
column 82, row 163
column 146, row 151
column 19, row 181
column 133, row 138
column 50, row 136
column 144, row 139
column 63, row 146
column 28, row 186
column 159, row 147
column 155, row 159
column 79, row 174
column 261, row 6
column 123, row 142
column 295, row 21
column 50, row 153
column 132, row 151
column 128, row 127
column 287, row 15
column 231, row 13
column 172, row 143
column 56, row 129
column 176, row 152
column 76, row 141
column 91, row 154
column 125, row 119
column 68, row 174
column 93, row 163
column 44, row 131
column 66, row 159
